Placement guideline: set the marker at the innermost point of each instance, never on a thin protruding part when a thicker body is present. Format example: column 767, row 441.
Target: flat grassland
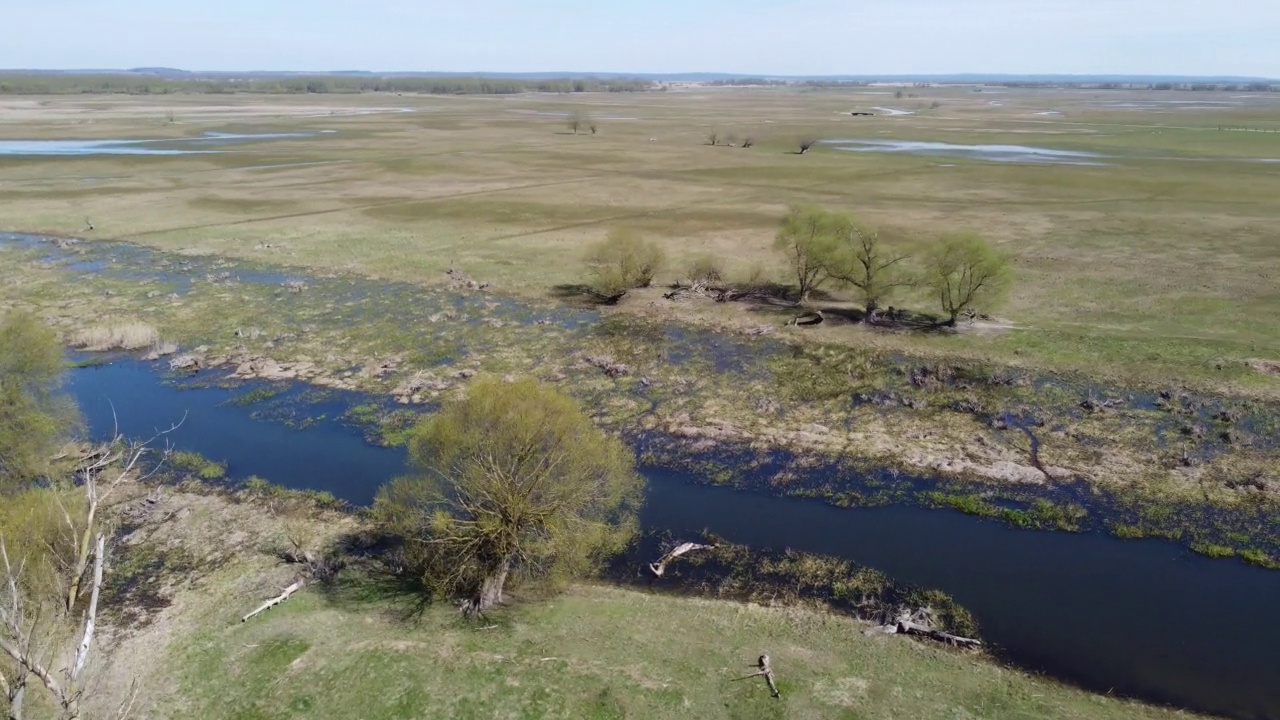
column 1158, row 260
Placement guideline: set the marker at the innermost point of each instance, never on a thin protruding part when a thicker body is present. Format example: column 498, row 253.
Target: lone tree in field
column 515, row 482
column 861, row 260
column 621, row 262
column 576, row 120
column 967, row 273
column 805, row 144
column 807, row 239
column 35, row 418
column 713, row 137
column 748, row 141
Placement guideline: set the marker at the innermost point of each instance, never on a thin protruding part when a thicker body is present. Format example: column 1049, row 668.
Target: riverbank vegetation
column 363, row 645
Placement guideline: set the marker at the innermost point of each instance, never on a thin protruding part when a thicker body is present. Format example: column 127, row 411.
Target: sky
column 766, row 37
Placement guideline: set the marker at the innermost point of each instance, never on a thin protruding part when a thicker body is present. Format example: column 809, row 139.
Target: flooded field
column 990, row 153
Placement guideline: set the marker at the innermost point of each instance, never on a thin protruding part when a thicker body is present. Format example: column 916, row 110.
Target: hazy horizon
column 747, row 37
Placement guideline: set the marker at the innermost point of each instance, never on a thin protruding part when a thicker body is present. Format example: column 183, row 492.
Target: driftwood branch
column 765, row 668
column 660, row 567
column 289, row 591
column 907, row 627
column 921, row 623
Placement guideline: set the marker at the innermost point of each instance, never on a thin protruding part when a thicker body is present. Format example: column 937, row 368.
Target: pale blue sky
column 782, row 37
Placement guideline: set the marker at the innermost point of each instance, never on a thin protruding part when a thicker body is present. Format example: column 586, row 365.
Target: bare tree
column 593, row 127
column 33, row 626
column 576, row 120
column 33, row 649
column 806, row 143
column 807, row 239
column 748, row 141
column 121, row 457
column 861, row 260
column 713, row 137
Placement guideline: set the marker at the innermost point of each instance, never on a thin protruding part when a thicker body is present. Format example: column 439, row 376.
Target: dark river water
column 1144, row 618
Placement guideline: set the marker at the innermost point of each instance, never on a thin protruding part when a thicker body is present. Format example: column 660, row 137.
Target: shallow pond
column 1144, row 618
column 176, row 146
column 992, row 153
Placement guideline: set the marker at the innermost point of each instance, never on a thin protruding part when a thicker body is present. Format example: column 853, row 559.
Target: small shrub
column 705, row 269
column 623, row 261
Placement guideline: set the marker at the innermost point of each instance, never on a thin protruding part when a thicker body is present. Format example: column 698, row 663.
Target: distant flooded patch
column 993, row 153
column 176, row 146
column 893, row 111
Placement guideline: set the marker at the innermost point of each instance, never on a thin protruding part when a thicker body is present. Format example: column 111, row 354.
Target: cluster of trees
column 963, row 271
column 66, row 84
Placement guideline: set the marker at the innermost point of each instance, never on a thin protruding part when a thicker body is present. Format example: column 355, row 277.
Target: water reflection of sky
column 172, row 146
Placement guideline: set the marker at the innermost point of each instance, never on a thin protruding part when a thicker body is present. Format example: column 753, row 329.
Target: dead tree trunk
column 765, row 668
column 288, row 592
column 660, row 568
column 907, row 627
column 15, row 693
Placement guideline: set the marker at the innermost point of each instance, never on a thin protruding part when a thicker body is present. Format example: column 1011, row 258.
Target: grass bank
column 597, row 651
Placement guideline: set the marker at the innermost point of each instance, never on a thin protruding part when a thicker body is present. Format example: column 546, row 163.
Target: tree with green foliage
column 861, row 260
column 623, row 261
column 35, row 417
column 515, row 481
column 808, row 239
column 967, row 273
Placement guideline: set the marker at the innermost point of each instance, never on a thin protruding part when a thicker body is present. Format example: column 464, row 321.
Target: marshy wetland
column 1093, row 465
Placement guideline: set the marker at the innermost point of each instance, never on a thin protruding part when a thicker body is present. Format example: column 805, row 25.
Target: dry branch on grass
column 921, row 623
column 765, row 668
column 285, row 595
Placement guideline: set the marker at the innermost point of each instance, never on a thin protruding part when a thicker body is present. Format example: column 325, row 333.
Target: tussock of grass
column 130, row 336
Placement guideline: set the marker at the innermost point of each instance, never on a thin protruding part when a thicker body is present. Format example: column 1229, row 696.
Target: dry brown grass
column 129, row 336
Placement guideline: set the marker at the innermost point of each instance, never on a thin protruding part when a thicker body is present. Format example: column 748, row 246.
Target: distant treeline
column 1194, row 86
column 57, row 84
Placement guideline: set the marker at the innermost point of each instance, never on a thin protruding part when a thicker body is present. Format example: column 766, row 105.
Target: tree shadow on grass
column 371, row 579
column 582, row 295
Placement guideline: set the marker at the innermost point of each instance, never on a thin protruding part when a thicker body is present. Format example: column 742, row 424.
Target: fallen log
column 766, row 669
column 660, row 567
column 906, row 627
column 276, row 600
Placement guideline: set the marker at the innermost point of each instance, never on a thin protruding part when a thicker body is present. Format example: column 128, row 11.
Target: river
column 1144, row 618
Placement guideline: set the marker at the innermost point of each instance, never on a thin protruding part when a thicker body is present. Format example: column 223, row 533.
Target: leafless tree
column 806, row 143
column 713, row 137
column 748, row 141
column 29, row 632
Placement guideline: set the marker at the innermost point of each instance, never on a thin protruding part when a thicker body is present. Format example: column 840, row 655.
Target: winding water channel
column 1144, row 618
